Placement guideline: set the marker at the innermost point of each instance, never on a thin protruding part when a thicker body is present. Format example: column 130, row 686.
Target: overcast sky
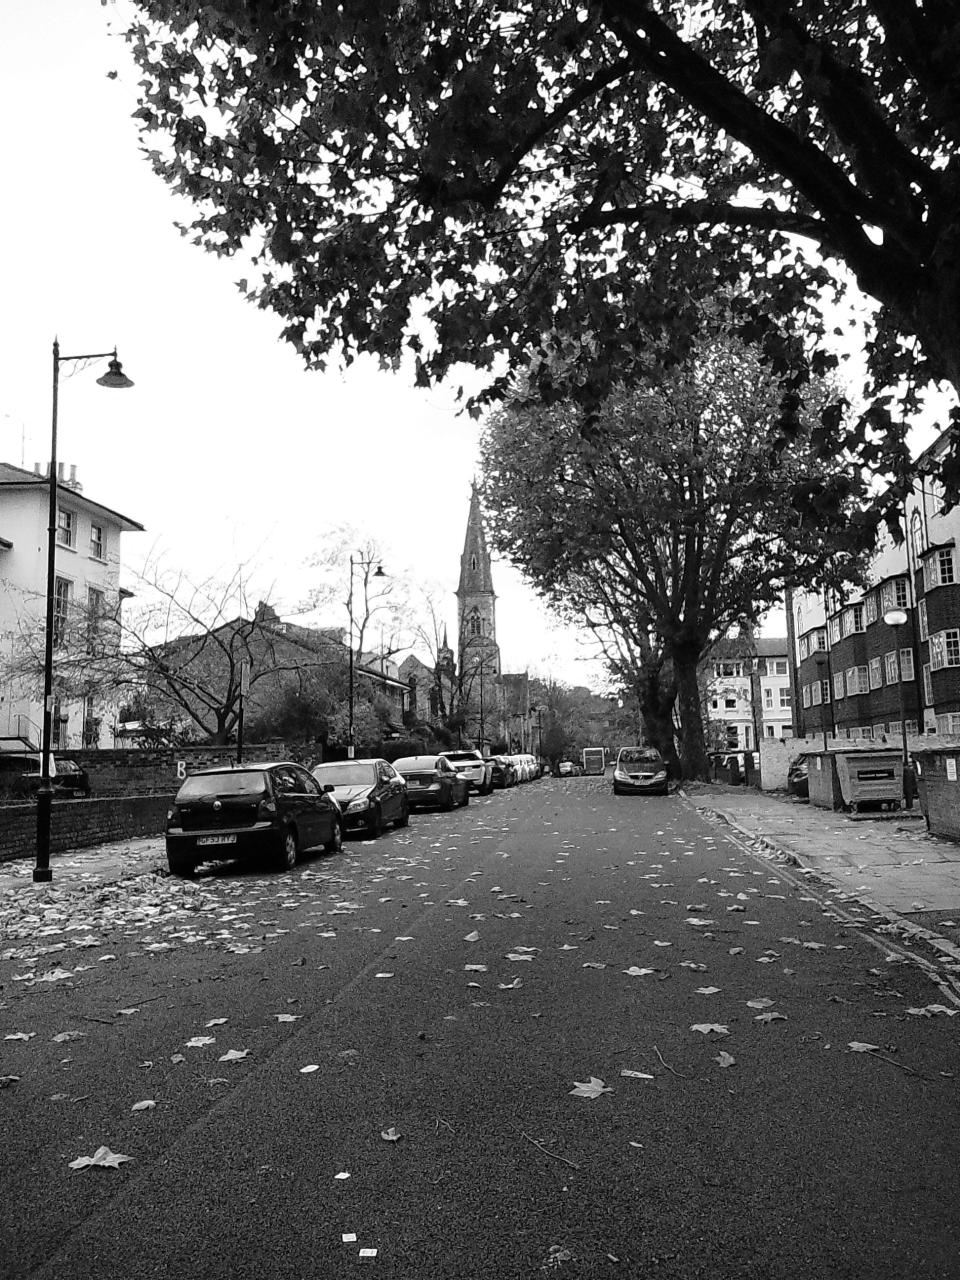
column 226, row 449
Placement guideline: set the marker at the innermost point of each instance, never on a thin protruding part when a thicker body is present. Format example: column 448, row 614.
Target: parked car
column 504, row 771
column 640, row 771
column 22, row 772
column 477, row 769
column 798, row 778
column 248, row 811
column 568, row 769
column 432, row 782
column 370, row 794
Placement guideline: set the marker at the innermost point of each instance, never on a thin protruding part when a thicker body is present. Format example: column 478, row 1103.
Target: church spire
column 475, row 574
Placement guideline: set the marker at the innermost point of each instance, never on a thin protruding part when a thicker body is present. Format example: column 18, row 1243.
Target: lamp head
column 895, row 617
column 378, row 572
column 114, row 377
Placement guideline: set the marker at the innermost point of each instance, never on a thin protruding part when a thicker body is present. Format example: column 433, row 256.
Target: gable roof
column 13, row 478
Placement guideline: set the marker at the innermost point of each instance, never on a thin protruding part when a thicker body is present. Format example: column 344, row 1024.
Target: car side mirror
column 328, row 786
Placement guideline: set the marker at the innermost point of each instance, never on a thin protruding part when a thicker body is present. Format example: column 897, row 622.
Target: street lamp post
column 896, row 618
column 365, row 564
column 116, row 378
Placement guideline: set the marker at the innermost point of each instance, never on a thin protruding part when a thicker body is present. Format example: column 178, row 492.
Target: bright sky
column 226, row 449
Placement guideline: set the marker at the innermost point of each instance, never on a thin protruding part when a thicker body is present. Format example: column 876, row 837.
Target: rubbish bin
column 870, row 777
column 938, row 780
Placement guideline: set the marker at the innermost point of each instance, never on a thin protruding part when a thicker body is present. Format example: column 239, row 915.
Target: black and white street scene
column 480, row 640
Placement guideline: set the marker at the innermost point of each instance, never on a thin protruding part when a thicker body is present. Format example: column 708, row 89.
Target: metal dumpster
column 938, row 776
column 871, row 778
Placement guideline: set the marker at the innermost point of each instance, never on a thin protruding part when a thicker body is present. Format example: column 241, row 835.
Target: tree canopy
column 673, row 517
column 469, row 181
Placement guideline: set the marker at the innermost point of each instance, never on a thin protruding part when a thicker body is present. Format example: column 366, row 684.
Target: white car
column 475, row 768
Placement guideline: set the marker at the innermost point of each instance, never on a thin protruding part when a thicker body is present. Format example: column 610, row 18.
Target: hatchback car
column 639, row 771
column 432, row 782
column 22, row 773
column 477, row 770
column 248, row 811
column 370, row 794
column 504, row 771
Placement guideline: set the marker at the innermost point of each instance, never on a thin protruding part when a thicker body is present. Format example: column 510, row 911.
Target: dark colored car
column 250, row 811
column 504, row 772
column 432, row 782
column 22, row 773
column 798, row 778
column 370, row 794
column 640, row 771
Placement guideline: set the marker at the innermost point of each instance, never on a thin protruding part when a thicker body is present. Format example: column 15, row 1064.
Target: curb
column 944, row 946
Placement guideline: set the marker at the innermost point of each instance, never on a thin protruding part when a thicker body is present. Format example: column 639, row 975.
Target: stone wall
column 77, row 824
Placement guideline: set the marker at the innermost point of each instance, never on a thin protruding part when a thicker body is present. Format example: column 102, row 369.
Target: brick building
column 863, row 677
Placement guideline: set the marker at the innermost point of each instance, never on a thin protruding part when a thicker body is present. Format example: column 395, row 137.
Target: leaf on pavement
column 593, row 964
column 472, row 937
column 858, row 1046
column 707, row 991
column 663, row 944
column 198, row 1042
column 692, row 964
column 735, row 951
column 215, row 1022
column 102, row 1158
column 233, row 1055
column 288, row 1017
column 770, row 1017
column 310, row 1068
column 510, row 986
column 475, row 968
column 931, row 1010
column 340, row 1177
column 760, row 1003
column 637, row 1075
column 64, row 1036
column 697, row 921
column 635, row 972
column 146, row 1105
column 6, row 1081
column 20, row 1035
column 591, row 1088
column 516, row 955
column 706, row 1027
column 177, row 1057
column 126, row 1013
column 390, row 1135
column 725, row 1059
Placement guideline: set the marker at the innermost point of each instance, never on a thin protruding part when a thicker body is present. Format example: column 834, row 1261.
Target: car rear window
column 414, row 763
column 243, row 782
column 346, row 775
column 461, row 755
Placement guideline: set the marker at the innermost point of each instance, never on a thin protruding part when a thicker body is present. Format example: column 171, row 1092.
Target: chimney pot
column 60, row 471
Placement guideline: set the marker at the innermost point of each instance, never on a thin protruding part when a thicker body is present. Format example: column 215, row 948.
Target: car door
column 391, row 789
column 317, row 806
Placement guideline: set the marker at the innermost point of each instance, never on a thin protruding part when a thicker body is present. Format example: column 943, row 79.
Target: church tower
column 479, row 653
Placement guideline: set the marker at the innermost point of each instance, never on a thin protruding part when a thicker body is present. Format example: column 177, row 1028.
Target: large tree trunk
column 693, row 750
column 656, row 699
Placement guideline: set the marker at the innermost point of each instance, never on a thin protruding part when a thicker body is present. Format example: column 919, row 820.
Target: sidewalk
column 895, row 866
column 81, row 869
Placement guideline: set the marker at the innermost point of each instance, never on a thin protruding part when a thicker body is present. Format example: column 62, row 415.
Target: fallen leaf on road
column 313, row 1066
column 21, row 1035
column 707, row 1027
column 390, row 1135
column 593, row 964
column 515, row 955
column 64, row 1036
column 760, row 1003
column 383, row 975
column 102, row 1158
column 233, row 1055
column 695, row 920
column 178, row 1057
column 510, row 986
column 146, row 1105
column 591, row 1088
column 735, row 951
column 725, row 1059
column 707, row 991
column 636, row 1075
column 931, row 1010
column 288, row 1017
column 198, row 1042
column 472, row 937
column 859, row 1047
column 692, row 964
column 475, row 968
column 634, row 972
column 215, row 1022
column 6, row 1081
column 341, row 1176
column 770, row 1017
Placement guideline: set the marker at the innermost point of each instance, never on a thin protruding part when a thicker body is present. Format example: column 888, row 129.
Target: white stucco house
column 87, row 593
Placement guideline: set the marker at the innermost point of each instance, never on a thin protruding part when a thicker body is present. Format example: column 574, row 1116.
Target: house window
column 806, row 695
column 863, row 682
column 820, row 640
column 838, row 685
column 66, row 527
column 906, row 664
column 876, row 673
column 938, row 569
column 95, row 611
column 804, row 648
column 890, row 662
column 825, row 686
column 61, row 607
column 58, row 726
column 768, row 699
column 922, row 614
column 916, row 532
column 785, row 699
column 714, row 704
column 730, row 704
column 780, row 667
column 927, row 686
column 900, row 593
column 893, row 729
column 949, row 723
column 852, row 687
column 769, row 730
column 834, row 630
column 911, row 728
column 97, row 541
column 945, row 649
column 870, row 608
column 866, row 731
column 817, row 694
column 853, row 619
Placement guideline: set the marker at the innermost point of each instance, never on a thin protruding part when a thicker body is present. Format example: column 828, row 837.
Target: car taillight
column 171, row 814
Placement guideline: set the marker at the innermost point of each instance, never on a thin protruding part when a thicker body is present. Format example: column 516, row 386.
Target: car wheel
column 404, row 818
column 182, row 867
column 375, row 823
column 288, row 853
column 335, row 843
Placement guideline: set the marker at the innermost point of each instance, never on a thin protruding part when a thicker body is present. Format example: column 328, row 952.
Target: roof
column 750, row 647
column 12, row 477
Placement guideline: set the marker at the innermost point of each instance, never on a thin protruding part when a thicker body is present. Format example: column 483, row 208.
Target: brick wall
column 77, row 824
column 141, row 770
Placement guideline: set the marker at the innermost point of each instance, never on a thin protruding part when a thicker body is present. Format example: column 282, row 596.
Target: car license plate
column 216, row 839
column 414, row 786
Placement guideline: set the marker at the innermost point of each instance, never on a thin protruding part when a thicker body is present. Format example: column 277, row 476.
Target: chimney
column 59, row 473
column 36, row 469
column 73, row 482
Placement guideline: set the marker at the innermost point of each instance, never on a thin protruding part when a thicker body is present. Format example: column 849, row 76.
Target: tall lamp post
column 357, row 562
column 114, row 377
column 897, row 618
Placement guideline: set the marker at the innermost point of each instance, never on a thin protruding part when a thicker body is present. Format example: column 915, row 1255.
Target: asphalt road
column 452, row 983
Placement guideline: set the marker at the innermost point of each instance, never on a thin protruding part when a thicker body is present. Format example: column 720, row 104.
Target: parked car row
column 280, row 809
